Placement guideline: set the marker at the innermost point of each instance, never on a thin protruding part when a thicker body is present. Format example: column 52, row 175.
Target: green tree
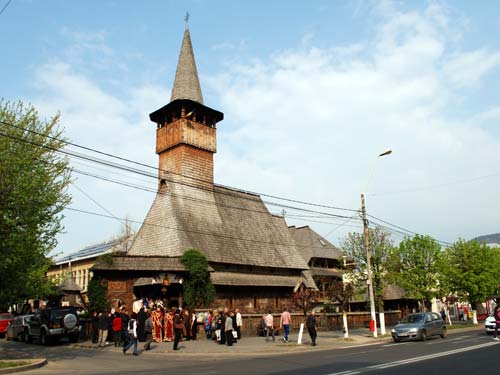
column 198, row 290
column 33, row 192
column 97, row 295
column 381, row 247
column 471, row 271
column 416, row 266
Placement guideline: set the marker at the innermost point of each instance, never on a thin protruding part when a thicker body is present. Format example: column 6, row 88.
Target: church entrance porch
column 162, row 288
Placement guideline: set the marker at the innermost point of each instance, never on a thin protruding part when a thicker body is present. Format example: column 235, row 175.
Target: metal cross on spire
column 186, row 18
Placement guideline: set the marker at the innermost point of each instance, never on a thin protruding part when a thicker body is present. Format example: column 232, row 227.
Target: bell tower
column 186, row 128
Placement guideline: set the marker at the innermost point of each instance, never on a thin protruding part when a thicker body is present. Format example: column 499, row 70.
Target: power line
column 402, row 230
column 438, row 186
column 5, row 6
column 319, row 222
column 194, row 231
column 169, row 193
column 134, row 170
column 146, row 174
column 340, row 225
column 174, row 173
column 93, row 200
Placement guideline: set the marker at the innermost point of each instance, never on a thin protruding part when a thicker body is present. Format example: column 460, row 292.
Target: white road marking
column 413, row 360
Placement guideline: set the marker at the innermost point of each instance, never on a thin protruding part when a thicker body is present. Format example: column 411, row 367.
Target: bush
column 198, row 290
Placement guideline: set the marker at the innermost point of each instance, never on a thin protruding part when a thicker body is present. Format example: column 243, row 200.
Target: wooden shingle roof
column 317, row 271
column 227, row 225
column 141, row 263
column 312, row 245
column 250, row 279
column 187, row 83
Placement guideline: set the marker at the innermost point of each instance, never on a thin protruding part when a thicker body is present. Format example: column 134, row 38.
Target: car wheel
column 395, row 339
column 44, row 340
column 27, row 337
column 443, row 333
column 423, row 335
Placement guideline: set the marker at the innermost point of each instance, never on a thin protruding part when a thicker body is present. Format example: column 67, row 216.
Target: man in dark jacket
column 311, row 324
column 235, row 326
column 125, row 320
column 104, row 324
column 141, row 320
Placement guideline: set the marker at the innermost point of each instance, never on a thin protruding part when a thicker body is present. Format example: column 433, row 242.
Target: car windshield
column 5, row 317
column 415, row 318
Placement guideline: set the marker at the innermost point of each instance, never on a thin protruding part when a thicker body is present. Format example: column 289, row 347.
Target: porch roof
column 251, row 279
column 142, row 263
column 317, row 271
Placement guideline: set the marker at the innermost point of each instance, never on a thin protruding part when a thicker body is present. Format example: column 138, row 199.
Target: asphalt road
column 460, row 353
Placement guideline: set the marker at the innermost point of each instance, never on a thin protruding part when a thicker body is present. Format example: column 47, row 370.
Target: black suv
column 54, row 323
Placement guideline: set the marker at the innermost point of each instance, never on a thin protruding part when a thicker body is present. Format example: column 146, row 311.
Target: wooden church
column 255, row 262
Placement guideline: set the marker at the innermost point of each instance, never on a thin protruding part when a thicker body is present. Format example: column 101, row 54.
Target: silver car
column 419, row 326
column 19, row 328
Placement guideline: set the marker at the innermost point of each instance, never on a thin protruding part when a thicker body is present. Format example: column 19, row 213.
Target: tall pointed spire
column 186, row 84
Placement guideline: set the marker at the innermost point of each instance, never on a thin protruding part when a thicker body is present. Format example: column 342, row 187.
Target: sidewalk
column 253, row 345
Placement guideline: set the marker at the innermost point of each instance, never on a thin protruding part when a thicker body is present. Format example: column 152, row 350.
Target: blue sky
column 311, row 92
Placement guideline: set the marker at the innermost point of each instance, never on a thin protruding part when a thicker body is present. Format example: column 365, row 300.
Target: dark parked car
column 54, row 323
column 5, row 320
column 19, row 328
column 418, row 327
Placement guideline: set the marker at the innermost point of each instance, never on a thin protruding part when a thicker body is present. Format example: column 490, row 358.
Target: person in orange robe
column 157, row 317
column 168, row 322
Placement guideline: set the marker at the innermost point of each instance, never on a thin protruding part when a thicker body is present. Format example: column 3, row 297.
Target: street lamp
column 368, row 256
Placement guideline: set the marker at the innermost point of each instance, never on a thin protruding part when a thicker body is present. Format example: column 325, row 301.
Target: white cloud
column 98, row 119
column 308, row 123
column 468, row 68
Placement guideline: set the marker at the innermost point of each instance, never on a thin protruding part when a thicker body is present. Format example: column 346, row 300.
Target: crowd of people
column 152, row 322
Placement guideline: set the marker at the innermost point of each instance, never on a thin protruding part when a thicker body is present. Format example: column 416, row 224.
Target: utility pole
column 368, row 266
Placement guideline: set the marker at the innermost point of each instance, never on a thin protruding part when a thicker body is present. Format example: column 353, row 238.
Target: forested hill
column 489, row 238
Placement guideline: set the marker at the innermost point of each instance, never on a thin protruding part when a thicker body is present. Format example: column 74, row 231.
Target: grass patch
column 8, row 364
column 461, row 326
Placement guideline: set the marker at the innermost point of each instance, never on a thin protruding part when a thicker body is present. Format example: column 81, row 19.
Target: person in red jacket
column 117, row 327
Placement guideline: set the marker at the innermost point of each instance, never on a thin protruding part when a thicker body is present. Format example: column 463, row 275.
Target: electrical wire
column 438, row 186
column 253, row 240
column 169, row 193
column 235, row 193
column 95, row 201
column 5, row 6
column 146, row 174
column 171, row 172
